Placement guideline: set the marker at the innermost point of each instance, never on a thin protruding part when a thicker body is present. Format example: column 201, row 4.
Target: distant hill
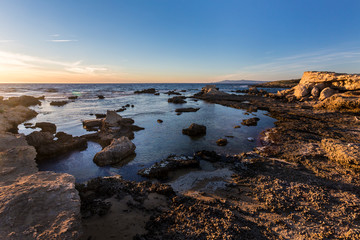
column 240, row 82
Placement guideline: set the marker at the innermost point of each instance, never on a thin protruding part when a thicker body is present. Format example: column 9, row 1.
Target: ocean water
column 154, row 143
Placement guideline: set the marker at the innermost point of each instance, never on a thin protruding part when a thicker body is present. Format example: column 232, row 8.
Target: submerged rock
column 101, row 97
column 172, row 93
column 221, row 142
column 250, row 121
column 195, row 130
column 187, row 109
column 161, row 169
column 118, row 150
column 58, row 103
column 177, row 99
column 46, row 127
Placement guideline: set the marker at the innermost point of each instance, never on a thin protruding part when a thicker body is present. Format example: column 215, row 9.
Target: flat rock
column 25, row 101
column 46, row 127
column 344, row 153
column 250, row 121
column 149, row 90
column 161, row 169
column 177, row 99
column 117, row 151
column 58, row 103
column 187, row 109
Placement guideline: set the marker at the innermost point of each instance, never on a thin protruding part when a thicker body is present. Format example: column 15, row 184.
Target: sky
column 135, row 41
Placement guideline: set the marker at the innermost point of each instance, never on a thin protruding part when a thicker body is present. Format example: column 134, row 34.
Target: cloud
column 295, row 65
column 16, row 61
column 63, row 40
column 5, row 41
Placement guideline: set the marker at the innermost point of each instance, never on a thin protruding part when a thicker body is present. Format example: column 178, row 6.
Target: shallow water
column 157, row 141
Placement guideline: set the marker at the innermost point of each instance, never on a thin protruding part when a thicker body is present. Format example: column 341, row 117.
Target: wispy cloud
column 11, row 61
column 63, row 40
column 295, row 65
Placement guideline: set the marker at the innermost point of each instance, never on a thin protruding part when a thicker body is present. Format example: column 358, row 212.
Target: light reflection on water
column 154, row 143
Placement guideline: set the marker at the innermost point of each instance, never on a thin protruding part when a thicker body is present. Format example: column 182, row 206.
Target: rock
column 51, row 90
column 315, row 92
column 25, row 101
column 159, row 121
column 101, row 97
column 250, row 121
column 11, row 117
column 302, row 90
column 112, row 119
column 195, row 130
column 340, row 102
column 117, row 151
column 58, row 103
column 161, row 169
column 132, row 105
column 92, row 125
column 149, row 90
column 156, row 94
column 73, row 97
column 46, row 127
column 100, row 115
column 46, row 147
column 121, row 109
column 339, row 81
column 221, row 142
column 211, row 90
column 208, row 88
column 187, row 109
column 250, row 139
column 326, row 93
column 237, row 126
column 43, row 205
column 342, row 152
column 210, row 156
column 177, row 99
column 172, row 93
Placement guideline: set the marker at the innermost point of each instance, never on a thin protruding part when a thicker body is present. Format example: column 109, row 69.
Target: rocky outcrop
column 10, row 117
column 46, row 147
column 212, row 90
column 25, row 101
column 326, row 93
column 339, row 81
column 118, row 150
column 161, row 169
column 195, row 130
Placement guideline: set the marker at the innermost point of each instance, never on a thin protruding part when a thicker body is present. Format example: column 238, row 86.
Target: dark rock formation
column 187, row 109
column 73, row 97
column 100, row 115
column 177, row 99
column 25, row 101
column 172, row 93
column 58, row 103
column 101, row 97
column 46, row 127
column 159, row 121
column 161, row 169
column 149, row 90
column 195, row 130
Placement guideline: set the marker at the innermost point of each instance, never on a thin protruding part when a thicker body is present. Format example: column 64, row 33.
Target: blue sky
column 176, row 41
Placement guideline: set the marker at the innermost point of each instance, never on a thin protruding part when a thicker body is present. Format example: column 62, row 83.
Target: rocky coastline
column 302, row 183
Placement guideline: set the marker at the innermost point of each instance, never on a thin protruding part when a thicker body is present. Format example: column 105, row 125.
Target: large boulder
column 195, row 130
column 302, row 90
column 326, row 93
column 44, row 205
column 117, row 151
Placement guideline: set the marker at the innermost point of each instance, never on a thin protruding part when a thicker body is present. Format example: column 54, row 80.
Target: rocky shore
column 301, row 183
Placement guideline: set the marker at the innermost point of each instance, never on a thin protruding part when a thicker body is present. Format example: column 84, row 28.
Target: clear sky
column 176, row 40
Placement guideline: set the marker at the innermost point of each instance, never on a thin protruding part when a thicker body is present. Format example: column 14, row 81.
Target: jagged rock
column 211, row 90
column 187, row 109
column 25, row 101
column 340, row 81
column 149, row 90
column 161, row 169
column 38, row 139
column 112, row 119
column 326, row 92
column 118, row 150
column 302, row 90
column 43, row 205
column 177, row 99
column 250, row 121
column 195, row 130
column 58, row 103
column 46, row 127
column 221, row 142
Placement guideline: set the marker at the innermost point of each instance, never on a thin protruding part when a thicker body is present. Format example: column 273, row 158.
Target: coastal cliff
column 33, row 204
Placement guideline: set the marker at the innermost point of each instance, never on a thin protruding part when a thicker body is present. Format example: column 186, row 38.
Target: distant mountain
column 241, row 82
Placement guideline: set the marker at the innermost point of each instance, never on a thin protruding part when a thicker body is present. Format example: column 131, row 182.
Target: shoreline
column 289, row 188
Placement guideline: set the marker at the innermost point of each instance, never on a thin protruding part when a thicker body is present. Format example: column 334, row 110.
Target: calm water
column 154, row 143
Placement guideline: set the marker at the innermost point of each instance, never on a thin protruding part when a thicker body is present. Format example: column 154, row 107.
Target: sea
column 153, row 144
